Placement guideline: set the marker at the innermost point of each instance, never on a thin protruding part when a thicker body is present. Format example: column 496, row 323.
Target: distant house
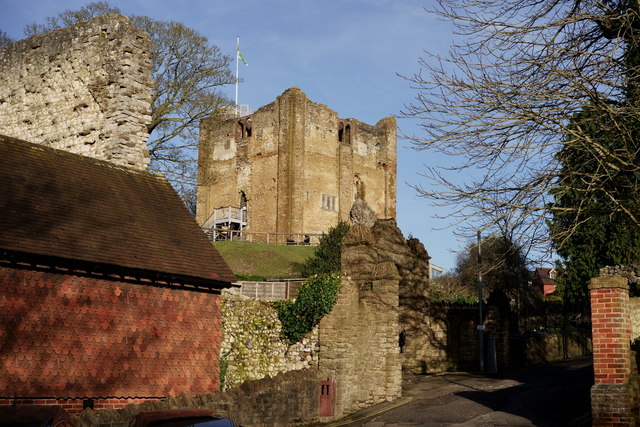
column 544, row 279
column 435, row 271
column 110, row 291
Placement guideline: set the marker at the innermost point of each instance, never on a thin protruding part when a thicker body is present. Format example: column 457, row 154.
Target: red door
column 326, row 397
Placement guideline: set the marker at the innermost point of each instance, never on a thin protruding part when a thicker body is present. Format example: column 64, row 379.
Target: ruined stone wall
column 300, row 166
column 85, row 89
column 359, row 338
column 430, row 337
column 252, row 345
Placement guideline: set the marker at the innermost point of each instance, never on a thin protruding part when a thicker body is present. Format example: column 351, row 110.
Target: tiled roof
column 79, row 337
column 58, row 204
column 543, row 275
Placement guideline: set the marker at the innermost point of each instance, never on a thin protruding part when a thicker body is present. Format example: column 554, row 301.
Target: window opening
column 329, row 202
column 239, row 130
column 358, row 188
column 243, row 206
column 340, row 132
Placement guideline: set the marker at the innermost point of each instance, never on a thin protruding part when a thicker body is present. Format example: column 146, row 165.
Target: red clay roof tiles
column 58, row 204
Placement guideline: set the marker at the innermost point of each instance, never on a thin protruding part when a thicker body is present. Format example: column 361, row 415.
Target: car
column 34, row 416
column 179, row 418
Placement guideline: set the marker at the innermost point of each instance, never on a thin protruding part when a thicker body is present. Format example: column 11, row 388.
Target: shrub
column 326, row 258
column 317, row 297
column 250, row 278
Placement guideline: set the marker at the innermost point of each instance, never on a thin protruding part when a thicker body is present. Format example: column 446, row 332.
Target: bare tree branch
column 500, row 105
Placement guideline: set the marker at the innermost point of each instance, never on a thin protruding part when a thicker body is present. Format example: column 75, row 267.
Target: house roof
column 70, row 207
column 543, row 274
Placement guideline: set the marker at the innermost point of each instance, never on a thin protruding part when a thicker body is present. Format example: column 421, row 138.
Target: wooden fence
column 270, row 290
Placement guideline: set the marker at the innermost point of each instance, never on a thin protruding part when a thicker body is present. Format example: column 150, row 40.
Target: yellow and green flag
column 240, row 55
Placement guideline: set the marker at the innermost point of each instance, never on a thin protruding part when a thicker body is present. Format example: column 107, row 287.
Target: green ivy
column 317, row 297
column 326, row 258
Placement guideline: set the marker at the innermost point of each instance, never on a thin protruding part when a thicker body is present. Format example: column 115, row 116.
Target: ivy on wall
column 327, row 256
column 317, row 297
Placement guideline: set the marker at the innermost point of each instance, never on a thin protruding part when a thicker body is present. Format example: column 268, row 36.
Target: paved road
column 551, row 395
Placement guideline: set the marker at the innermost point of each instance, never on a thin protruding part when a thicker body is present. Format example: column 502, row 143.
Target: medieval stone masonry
column 85, row 89
column 294, row 166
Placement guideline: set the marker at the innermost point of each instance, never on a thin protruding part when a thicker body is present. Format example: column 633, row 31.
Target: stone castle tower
column 294, row 167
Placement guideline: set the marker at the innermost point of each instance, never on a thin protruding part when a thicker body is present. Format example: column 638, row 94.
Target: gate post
column 611, row 397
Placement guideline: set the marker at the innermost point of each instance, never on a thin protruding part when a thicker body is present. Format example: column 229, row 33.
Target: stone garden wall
column 286, row 399
column 252, row 346
column 84, row 89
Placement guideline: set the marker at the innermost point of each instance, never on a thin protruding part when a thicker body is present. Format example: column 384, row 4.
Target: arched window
column 347, row 134
column 243, row 206
column 340, row 131
column 239, row 133
column 243, row 200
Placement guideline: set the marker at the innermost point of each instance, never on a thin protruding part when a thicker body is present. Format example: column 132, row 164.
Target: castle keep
column 293, row 167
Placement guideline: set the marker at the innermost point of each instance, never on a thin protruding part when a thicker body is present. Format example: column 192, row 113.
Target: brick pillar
column 611, row 401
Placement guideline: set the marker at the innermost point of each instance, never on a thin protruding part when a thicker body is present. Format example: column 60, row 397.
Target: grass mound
column 260, row 261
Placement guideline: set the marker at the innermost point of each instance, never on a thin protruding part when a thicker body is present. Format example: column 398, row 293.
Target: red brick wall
column 611, row 401
column 75, row 406
column 69, row 337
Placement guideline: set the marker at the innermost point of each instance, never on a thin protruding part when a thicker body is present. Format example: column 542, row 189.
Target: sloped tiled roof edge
column 69, row 207
column 543, row 274
column 50, row 264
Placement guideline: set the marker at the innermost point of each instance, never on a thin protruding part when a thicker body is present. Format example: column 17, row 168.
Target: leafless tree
column 500, row 104
column 4, row 39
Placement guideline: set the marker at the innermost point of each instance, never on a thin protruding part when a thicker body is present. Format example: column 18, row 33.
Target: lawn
column 265, row 261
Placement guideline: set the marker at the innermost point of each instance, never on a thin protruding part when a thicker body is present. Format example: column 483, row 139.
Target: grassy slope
column 269, row 261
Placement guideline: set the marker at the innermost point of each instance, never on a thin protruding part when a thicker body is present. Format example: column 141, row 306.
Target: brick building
column 110, row 291
column 544, row 279
column 293, row 167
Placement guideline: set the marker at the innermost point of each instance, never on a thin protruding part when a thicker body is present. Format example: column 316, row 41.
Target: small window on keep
column 329, row 202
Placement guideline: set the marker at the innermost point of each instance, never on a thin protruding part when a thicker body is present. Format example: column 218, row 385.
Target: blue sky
column 342, row 53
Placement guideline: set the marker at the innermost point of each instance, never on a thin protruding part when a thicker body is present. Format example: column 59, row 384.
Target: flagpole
column 237, row 57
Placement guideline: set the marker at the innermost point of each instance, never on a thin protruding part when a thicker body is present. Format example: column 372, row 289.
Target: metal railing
column 295, row 239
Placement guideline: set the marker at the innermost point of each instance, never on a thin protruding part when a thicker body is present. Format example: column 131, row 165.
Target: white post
column 237, row 58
